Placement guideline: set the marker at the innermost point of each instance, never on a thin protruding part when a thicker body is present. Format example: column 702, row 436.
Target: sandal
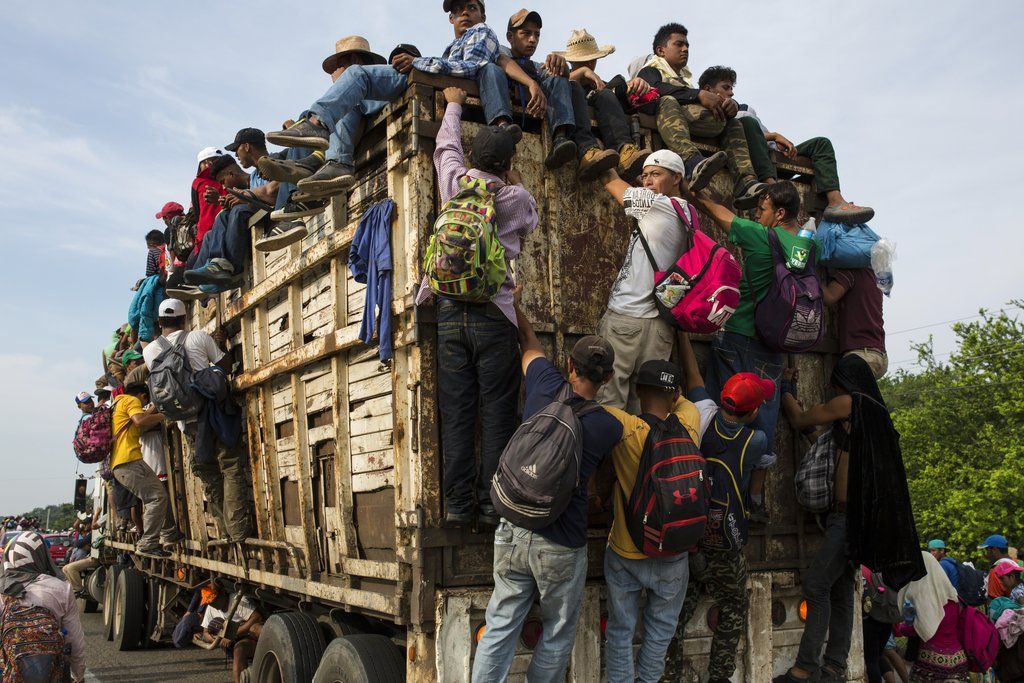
column 250, row 198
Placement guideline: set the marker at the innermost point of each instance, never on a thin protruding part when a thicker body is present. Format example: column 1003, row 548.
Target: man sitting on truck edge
column 523, row 36
column 736, row 347
column 224, row 481
column 226, row 248
column 721, row 81
column 627, row 571
column 733, row 451
column 631, row 324
column 684, row 111
column 550, row 562
column 474, row 54
column 477, row 356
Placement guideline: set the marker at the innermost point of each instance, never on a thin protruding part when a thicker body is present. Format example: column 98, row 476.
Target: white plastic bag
column 883, row 253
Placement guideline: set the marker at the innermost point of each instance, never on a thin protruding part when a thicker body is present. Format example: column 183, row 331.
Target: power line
column 924, row 327
column 1007, row 351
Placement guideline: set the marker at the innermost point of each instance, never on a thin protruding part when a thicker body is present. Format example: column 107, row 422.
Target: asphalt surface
column 105, row 664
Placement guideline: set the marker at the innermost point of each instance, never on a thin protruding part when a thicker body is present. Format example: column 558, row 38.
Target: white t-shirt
column 665, row 233
column 244, row 611
column 200, row 348
column 152, row 444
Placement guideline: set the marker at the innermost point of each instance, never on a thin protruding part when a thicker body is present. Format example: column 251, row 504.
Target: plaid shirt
column 815, row 475
column 466, row 56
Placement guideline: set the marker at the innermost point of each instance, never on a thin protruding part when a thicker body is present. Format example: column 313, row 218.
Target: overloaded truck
column 351, row 555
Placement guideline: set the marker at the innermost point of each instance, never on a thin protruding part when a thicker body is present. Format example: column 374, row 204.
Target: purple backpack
column 791, row 316
column 94, row 436
column 979, row 638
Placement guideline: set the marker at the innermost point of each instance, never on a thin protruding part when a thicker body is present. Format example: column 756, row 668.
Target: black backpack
column 668, row 509
column 170, row 381
column 972, row 588
column 539, row 469
column 728, row 520
column 880, row 602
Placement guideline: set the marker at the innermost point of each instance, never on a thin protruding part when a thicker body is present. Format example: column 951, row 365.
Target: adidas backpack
column 94, row 436
column 170, row 381
column 668, row 509
column 540, row 467
column 31, row 643
column 790, row 317
column 465, row 260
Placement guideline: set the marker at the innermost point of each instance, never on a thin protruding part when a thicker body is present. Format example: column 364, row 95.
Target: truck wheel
column 362, row 658
column 152, row 613
column 289, row 649
column 109, row 589
column 88, row 605
column 129, row 609
column 95, row 583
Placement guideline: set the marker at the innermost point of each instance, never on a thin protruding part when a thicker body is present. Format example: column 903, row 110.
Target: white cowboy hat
column 582, row 47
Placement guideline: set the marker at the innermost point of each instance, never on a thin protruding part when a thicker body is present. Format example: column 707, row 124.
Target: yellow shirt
column 126, row 444
column 626, row 459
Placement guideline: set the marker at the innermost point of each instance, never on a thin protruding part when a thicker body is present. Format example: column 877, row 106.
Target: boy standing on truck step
column 627, row 571
column 734, row 451
column 224, row 481
column 478, row 357
column 631, row 324
column 721, row 81
column 226, row 249
column 474, row 54
column 523, row 36
column 128, row 419
column 550, row 563
column 684, row 111
column 737, row 348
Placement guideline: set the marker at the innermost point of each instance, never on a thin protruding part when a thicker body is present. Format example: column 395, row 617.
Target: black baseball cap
column 593, row 357
column 448, row 4
column 404, row 49
column 221, row 164
column 659, row 373
column 251, row 135
column 494, row 146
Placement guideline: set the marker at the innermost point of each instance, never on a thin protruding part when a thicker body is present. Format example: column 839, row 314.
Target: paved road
column 105, row 664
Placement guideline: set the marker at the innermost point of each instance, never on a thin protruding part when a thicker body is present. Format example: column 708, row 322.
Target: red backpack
column 668, row 509
column 94, row 436
column 700, row 291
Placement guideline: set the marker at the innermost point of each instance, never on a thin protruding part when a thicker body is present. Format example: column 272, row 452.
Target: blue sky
column 104, row 105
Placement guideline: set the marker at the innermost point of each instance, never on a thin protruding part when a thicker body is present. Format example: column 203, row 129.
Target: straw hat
column 582, row 47
column 351, row 45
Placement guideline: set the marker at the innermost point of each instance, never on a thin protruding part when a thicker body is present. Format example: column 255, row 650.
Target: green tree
column 961, row 424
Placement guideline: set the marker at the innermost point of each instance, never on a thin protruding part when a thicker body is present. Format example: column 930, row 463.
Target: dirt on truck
column 351, row 554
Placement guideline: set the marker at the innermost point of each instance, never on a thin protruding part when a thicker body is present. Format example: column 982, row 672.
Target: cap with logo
column 171, row 209
column 252, row 136
column 209, row 153
column 666, row 158
column 171, row 308
column 936, row 544
column 83, row 397
column 995, row 541
column 659, row 373
column 449, row 4
column 593, row 353
column 745, row 391
column 522, row 17
column 404, row 49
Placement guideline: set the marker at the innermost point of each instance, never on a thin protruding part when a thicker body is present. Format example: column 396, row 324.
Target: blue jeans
column 732, row 353
column 358, row 83
column 349, row 129
column 665, row 581
column 526, row 565
column 560, row 112
column 229, row 238
column 478, row 373
column 285, row 189
column 493, row 85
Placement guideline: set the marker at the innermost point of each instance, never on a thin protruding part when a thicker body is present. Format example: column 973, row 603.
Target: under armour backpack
column 668, row 509
column 791, row 316
column 979, row 638
column 539, row 469
column 465, row 260
column 170, row 380
column 700, row 291
column 31, row 643
column 971, row 585
column 94, row 436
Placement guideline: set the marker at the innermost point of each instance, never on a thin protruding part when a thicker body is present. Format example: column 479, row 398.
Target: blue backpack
column 845, row 246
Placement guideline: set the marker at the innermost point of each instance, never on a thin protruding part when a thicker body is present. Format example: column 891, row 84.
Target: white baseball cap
column 83, row 397
column 666, row 158
column 209, row 153
column 171, row 308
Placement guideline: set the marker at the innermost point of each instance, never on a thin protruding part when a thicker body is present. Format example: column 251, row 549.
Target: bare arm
column 721, row 215
column 538, row 103
column 694, row 380
column 823, row 414
column 528, row 342
column 146, row 420
column 615, row 185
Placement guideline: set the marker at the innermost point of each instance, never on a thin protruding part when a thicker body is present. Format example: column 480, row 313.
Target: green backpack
column 465, row 260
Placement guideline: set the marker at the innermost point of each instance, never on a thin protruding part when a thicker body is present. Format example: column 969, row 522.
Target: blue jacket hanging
column 143, row 310
column 369, row 261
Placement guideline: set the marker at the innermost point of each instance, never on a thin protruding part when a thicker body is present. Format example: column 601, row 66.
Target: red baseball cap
column 745, row 391
column 170, row 209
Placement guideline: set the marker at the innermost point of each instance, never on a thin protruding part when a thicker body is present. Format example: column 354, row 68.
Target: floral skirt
column 940, row 667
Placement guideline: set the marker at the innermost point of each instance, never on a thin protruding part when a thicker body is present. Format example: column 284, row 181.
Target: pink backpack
column 700, row 291
column 94, row 436
column 979, row 638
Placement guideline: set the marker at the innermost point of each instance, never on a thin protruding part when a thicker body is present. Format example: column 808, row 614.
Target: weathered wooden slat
column 372, row 481
column 373, row 461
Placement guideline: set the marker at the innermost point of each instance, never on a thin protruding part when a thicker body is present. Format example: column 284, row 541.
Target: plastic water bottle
column 808, row 230
column 883, row 253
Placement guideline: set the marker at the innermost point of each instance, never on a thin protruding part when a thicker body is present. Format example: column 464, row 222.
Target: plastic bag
column 845, row 246
column 883, row 253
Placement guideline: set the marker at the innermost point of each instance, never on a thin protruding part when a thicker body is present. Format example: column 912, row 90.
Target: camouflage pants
column 677, row 122
column 722, row 574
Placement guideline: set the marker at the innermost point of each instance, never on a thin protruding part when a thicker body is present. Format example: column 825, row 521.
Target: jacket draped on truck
column 143, row 310
column 369, row 261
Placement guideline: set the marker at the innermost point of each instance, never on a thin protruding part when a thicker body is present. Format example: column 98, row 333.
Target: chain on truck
column 344, row 451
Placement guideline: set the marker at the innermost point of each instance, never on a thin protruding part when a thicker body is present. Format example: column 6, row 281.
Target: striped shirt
column 469, row 53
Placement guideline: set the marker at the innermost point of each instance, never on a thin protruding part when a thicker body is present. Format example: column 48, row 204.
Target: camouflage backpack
column 465, row 260
column 31, row 643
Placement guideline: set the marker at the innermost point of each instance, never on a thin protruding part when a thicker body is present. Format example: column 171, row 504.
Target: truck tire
column 288, row 651
column 88, row 605
column 109, row 589
column 362, row 658
column 95, row 583
column 152, row 613
column 129, row 609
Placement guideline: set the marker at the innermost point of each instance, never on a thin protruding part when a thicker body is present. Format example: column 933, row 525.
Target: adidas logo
column 530, row 470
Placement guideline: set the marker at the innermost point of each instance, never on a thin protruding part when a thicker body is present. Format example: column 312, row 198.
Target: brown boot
column 631, row 161
column 596, row 161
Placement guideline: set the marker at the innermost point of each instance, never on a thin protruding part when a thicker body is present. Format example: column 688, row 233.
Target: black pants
column 478, row 375
column 876, row 635
column 612, row 121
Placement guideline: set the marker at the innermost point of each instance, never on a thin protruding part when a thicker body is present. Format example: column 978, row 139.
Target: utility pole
column 47, row 527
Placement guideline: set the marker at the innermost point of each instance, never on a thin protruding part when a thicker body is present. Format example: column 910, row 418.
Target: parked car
column 59, row 545
column 8, row 535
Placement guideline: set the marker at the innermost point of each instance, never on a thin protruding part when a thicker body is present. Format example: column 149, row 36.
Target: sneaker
column 750, row 197
column 281, row 235
column 488, row 515
column 185, row 293
column 631, row 161
column 304, row 133
column 153, row 552
column 702, row 170
column 293, row 210
column 174, row 540
column 288, row 171
column 848, row 213
column 217, row 272
column 455, row 518
column 596, row 161
column 333, row 177
column 563, row 150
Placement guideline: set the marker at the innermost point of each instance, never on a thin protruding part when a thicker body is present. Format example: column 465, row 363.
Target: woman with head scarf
column 870, row 521
column 30, row 578
column 936, row 610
